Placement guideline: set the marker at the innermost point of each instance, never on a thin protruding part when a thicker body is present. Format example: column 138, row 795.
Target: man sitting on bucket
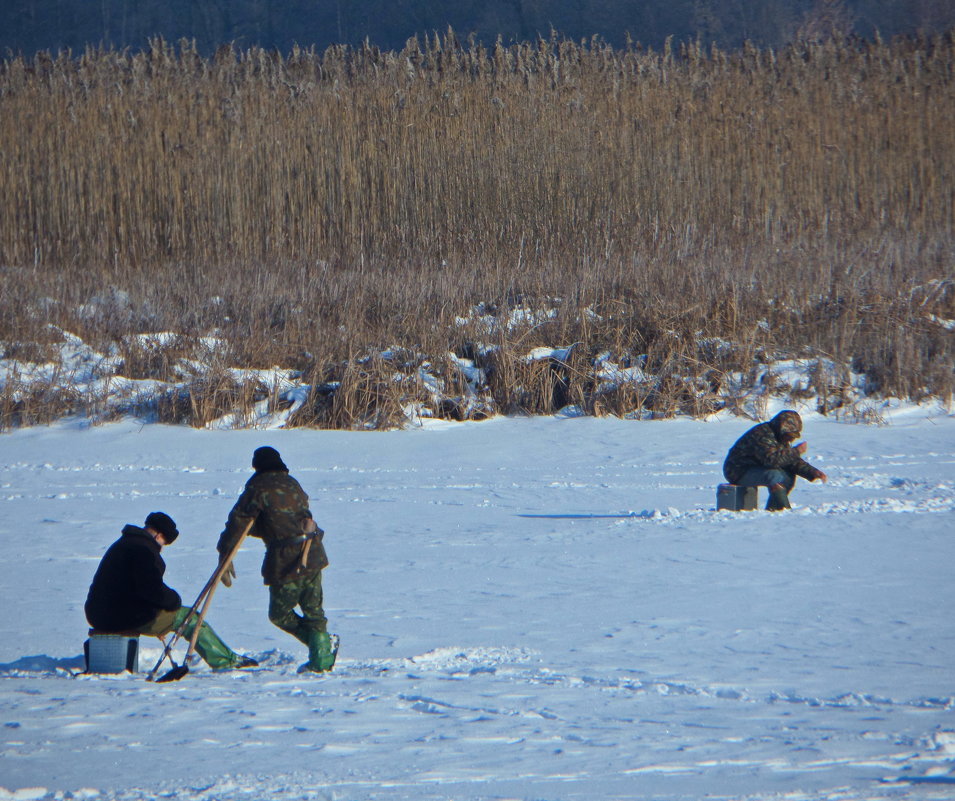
column 128, row 594
column 766, row 457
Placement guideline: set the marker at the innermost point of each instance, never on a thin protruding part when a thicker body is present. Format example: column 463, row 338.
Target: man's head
column 788, row 425
column 163, row 524
column 266, row 459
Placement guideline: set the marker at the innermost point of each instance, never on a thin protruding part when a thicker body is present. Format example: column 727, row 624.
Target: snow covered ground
column 539, row 608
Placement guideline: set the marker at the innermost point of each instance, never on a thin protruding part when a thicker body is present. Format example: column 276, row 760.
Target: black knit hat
column 164, row 524
column 266, row 460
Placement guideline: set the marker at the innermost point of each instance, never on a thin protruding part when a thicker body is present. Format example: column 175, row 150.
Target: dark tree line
column 27, row 26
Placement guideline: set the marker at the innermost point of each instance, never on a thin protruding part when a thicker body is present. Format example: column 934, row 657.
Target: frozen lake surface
column 545, row 608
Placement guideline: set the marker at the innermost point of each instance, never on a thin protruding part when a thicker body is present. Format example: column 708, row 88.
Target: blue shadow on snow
column 588, row 516
column 43, row 664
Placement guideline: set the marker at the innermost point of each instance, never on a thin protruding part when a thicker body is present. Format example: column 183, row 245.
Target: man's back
column 128, row 590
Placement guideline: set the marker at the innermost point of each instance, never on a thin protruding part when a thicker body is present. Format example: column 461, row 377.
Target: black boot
column 778, row 498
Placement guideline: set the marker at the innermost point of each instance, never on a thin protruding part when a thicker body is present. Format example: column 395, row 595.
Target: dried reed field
column 695, row 210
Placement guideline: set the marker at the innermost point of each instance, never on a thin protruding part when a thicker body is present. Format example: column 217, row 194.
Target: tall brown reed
column 311, row 206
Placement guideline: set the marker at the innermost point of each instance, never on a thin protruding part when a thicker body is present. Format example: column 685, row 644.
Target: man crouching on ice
column 766, row 457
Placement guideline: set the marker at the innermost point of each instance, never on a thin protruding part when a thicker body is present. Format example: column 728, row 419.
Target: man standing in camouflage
column 766, row 457
column 294, row 555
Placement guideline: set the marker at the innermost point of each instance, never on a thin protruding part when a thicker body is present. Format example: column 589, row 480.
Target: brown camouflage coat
column 279, row 506
column 769, row 445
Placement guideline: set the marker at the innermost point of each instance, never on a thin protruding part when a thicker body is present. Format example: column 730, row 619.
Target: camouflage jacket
column 766, row 446
column 279, row 506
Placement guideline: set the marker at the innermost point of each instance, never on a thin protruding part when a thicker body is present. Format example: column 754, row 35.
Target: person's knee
column 774, row 477
column 283, row 618
column 164, row 622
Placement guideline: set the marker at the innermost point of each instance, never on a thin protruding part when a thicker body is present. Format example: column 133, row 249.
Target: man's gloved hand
column 228, row 574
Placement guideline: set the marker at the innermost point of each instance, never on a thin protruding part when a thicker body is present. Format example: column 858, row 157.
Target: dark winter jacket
column 128, row 590
column 769, row 445
column 279, row 506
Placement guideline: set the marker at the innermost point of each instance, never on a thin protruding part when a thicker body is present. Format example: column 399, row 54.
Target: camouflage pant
column 306, row 593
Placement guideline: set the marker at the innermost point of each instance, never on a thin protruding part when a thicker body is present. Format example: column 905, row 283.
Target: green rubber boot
column 322, row 651
column 214, row 652
column 778, row 499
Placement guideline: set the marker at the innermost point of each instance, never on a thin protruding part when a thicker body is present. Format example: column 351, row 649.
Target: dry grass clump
column 36, row 403
column 367, row 393
column 153, row 357
column 206, row 399
column 309, row 208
